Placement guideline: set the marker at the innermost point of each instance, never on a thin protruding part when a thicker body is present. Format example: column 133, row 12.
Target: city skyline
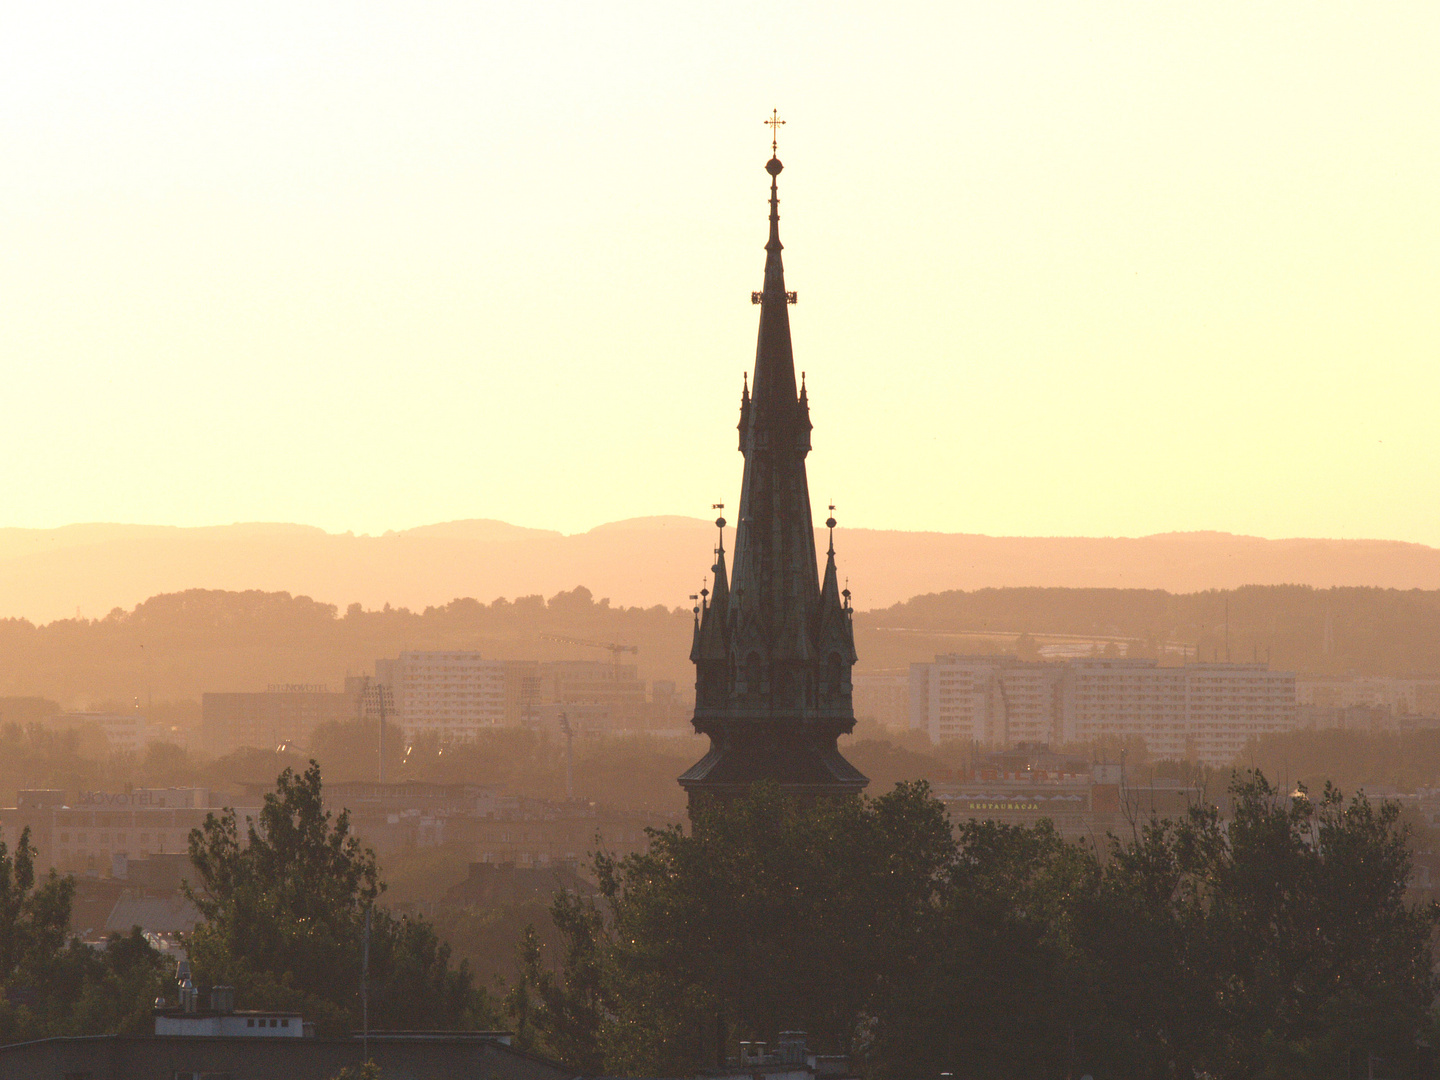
column 1122, row 271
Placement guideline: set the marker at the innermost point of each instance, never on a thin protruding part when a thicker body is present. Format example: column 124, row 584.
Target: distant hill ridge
column 47, row 574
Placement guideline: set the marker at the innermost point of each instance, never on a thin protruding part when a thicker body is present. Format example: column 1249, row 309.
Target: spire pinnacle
column 774, row 124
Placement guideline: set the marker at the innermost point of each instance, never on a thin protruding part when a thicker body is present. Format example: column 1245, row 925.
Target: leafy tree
column 1314, row 949
column 1272, row 944
column 51, row 984
column 995, row 990
column 284, row 919
column 766, row 916
column 33, row 925
column 563, row 1013
column 88, row 991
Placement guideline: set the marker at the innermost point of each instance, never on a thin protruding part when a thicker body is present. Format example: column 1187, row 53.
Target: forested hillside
column 1362, row 630
column 179, row 645
column 174, row 647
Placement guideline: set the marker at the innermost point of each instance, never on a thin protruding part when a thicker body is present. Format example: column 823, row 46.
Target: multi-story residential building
column 443, row 692
column 490, row 824
column 449, row 695
column 522, row 691
column 1029, row 702
column 997, row 700
column 591, row 682
column 1400, row 696
column 1125, row 699
column 281, row 714
column 1226, row 705
column 127, row 730
column 1204, row 712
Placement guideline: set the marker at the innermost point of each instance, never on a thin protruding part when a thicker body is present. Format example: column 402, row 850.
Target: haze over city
column 476, row 602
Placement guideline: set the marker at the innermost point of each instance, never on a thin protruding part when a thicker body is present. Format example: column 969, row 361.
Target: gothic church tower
column 773, row 645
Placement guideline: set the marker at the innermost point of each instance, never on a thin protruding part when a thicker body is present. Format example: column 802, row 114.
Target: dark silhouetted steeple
column 774, row 646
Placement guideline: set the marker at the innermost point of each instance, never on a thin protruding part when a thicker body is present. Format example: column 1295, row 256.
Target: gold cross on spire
column 774, row 123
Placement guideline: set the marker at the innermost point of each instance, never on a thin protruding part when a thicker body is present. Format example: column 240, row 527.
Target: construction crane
column 616, row 650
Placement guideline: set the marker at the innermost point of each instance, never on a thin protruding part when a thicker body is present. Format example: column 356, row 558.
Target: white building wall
column 1402, row 696
column 233, row 1025
column 964, row 697
column 1125, row 699
column 1204, row 712
column 1228, row 704
column 450, row 695
column 1030, row 702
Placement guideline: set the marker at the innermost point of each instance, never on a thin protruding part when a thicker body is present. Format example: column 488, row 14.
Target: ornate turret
column 774, row 644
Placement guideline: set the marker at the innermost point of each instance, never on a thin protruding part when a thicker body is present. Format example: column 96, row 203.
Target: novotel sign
column 121, row 798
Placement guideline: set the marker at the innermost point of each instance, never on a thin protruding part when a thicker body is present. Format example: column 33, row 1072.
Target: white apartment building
column 998, row 700
column 1126, row 698
column 1228, row 704
column 1401, row 696
column 122, row 730
column 1204, row 712
column 451, row 695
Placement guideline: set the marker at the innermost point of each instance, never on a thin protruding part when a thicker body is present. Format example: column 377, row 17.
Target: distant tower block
column 773, row 649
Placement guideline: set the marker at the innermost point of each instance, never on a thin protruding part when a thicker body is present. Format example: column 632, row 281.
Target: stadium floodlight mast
column 378, row 699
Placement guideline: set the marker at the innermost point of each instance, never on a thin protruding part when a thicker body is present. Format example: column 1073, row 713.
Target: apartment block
column 449, row 695
column 128, row 730
column 281, row 714
column 1204, row 712
column 86, row 832
column 1398, row 695
column 996, row 700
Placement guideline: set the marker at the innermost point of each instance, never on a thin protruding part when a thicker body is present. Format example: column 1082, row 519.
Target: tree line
column 175, row 646
column 1277, row 943
column 289, row 907
column 1333, row 631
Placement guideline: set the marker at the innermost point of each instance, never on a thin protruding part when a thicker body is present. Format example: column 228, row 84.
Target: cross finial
column 774, row 124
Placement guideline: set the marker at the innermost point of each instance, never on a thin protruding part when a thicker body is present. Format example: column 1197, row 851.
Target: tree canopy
column 1277, row 943
column 52, row 984
column 284, row 913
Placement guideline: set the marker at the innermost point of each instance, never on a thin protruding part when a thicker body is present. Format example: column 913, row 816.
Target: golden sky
column 1064, row 268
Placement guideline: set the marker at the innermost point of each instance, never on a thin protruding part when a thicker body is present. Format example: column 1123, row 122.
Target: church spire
column 773, row 648
column 773, row 389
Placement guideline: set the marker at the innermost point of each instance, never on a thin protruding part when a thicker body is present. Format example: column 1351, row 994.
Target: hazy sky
column 1064, row 268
